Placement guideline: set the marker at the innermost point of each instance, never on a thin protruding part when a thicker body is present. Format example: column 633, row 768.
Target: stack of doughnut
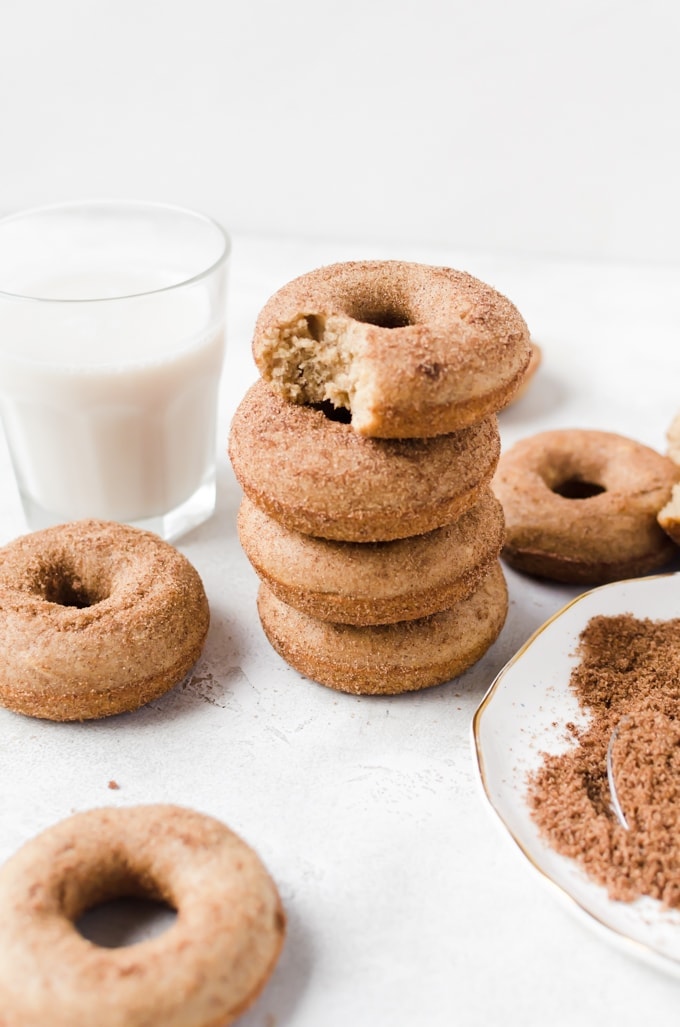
column 365, row 452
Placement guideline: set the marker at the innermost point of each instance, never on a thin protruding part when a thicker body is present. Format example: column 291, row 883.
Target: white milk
column 109, row 408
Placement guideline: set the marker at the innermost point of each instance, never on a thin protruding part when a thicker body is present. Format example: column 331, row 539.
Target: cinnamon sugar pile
column 628, row 679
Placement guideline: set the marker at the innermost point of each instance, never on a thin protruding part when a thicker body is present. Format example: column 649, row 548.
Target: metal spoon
column 615, row 804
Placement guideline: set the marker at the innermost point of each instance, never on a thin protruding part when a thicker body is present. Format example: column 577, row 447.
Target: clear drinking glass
column 111, row 348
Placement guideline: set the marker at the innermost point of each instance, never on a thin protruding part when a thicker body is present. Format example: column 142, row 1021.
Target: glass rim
column 149, row 205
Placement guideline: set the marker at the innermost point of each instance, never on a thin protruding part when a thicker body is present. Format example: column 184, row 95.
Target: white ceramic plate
column 524, row 714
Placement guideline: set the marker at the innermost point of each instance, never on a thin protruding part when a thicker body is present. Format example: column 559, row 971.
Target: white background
column 549, row 127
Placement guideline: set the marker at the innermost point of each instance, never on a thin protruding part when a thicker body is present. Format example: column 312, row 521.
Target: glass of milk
column 111, row 348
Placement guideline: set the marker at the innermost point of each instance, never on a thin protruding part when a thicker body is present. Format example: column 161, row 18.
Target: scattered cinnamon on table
column 628, row 681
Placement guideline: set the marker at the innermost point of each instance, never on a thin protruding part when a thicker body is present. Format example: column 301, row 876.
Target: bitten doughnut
column 317, row 476
column 411, row 350
column 374, row 582
column 581, row 506
column 202, row 972
column 387, row 659
column 95, row 618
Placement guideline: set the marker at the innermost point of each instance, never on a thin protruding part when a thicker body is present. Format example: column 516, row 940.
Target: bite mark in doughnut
column 96, row 618
column 388, row 659
column 317, row 476
column 205, row 970
column 411, row 350
column 374, row 582
column 581, row 506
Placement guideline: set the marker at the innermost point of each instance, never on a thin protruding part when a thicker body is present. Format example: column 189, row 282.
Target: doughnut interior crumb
column 315, row 359
column 669, row 515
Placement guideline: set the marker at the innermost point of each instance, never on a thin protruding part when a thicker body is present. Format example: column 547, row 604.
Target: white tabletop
column 406, row 902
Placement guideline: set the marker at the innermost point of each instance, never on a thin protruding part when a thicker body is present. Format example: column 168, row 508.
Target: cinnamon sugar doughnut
column 202, row 972
column 95, row 618
column 581, row 506
column 411, row 350
column 387, row 659
column 317, row 476
column 374, row 582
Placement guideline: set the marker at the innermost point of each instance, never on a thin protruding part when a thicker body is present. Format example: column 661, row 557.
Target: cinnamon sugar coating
column 319, row 477
column 96, row 618
column 411, row 350
column 628, row 680
column 388, row 659
column 202, row 972
column 374, row 582
column 581, row 506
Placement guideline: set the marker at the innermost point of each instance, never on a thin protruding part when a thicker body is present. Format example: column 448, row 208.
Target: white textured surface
column 406, row 904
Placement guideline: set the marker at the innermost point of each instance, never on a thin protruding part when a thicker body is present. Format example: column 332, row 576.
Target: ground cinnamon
column 628, row 681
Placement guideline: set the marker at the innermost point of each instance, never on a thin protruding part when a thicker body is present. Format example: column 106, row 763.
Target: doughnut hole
column 577, row 488
column 65, row 581
column 124, row 921
column 388, row 315
column 116, row 906
column 339, row 414
column 573, row 475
